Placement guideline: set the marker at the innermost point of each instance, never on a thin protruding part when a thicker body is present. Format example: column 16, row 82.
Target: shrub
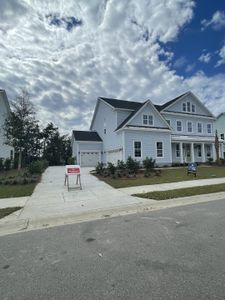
column 149, row 164
column 7, row 164
column 111, row 168
column 38, row 166
column 71, row 161
column 210, row 160
column 132, row 165
column 99, row 168
column 121, row 165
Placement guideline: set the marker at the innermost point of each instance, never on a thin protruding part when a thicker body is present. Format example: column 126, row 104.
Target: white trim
column 87, row 142
column 147, row 129
column 159, row 157
column 188, row 121
column 182, row 125
column 123, row 142
column 188, row 115
column 126, row 109
column 137, row 157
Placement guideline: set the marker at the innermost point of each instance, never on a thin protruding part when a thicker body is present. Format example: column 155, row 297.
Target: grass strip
column 8, row 191
column 177, row 193
column 7, row 211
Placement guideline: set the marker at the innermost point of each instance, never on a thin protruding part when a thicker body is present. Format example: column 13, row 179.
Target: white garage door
column 89, row 159
column 114, row 156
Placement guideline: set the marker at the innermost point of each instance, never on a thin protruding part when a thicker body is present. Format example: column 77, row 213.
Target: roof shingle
column 91, row 136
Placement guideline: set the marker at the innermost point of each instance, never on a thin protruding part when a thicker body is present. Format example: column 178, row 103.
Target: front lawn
column 199, row 190
column 14, row 184
column 167, row 175
column 8, row 191
column 7, row 211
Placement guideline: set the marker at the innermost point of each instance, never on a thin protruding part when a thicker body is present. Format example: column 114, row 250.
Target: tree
column 217, row 147
column 56, row 149
column 21, row 128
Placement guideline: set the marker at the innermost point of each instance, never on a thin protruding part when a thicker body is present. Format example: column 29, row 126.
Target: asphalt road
column 174, row 253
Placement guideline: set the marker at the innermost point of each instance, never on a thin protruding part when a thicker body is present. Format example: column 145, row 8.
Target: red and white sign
column 72, row 169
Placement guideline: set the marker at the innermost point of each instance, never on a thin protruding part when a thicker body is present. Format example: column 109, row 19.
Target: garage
column 89, row 159
column 114, row 156
column 86, row 148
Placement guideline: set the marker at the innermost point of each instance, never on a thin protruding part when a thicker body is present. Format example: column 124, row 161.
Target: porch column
column 181, row 153
column 203, row 152
column 192, row 153
column 213, row 151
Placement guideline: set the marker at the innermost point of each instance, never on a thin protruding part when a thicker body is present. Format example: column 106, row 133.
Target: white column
column 181, row 153
column 192, row 153
column 213, row 151
column 203, row 152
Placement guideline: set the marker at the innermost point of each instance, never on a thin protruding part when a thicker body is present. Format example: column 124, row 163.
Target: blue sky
column 195, row 40
column 68, row 53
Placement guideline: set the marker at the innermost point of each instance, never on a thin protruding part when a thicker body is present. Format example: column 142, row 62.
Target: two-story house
column 179, row 131
column 220, row 127
column 5, row 150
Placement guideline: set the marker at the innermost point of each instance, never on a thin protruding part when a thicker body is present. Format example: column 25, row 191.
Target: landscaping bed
column 142, row 176
column 185, row 192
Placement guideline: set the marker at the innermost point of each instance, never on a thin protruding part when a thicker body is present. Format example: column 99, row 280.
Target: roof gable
column 122, row 104
column 88, row 136
column 175, row 105
column 135, row 118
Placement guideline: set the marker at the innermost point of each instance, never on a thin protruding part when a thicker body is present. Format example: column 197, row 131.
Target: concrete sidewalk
column 170, row 186
column 51, row 204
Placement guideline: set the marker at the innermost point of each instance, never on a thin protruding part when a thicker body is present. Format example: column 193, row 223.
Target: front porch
column 186, row 152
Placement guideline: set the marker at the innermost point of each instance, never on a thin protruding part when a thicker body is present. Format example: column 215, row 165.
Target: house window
column 209, row 128
column 199, row 150
column 193, row 108
column 179, row 126
column 159, row 148
column 222, row 136
column 184, row 107
column 188, row 106
column 147, row 119
column 177, row 150
column 137, row 149
column 189, row 126
column 199, row 127
column 104, row 131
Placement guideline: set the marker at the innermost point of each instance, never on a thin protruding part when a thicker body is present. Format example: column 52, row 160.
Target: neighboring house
column 220, row 127
column 5, row 150
column 179, row 131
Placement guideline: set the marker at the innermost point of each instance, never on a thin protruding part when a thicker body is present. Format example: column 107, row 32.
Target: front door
column 187, row 153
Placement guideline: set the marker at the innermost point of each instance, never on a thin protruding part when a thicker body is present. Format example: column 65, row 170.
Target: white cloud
column 216, row 22
column 221, row 61
column 114, row 53
column 205, row 57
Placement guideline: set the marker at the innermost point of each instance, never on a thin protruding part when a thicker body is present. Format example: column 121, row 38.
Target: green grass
column 7, row 211
column 199, row 190
column 168, row 175
column 8, row 191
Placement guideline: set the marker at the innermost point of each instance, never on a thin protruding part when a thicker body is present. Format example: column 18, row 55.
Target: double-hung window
column 147, row 120
column 159, row 149
column 199, row 127
column 188, row 106
column 189, row 126
column 137, row 149
column 209, row 128
column 193, row 108
column 179, row 126
column 177, row 150
column 184, row 106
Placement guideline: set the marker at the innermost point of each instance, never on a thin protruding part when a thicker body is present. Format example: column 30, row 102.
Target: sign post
column 72, row 170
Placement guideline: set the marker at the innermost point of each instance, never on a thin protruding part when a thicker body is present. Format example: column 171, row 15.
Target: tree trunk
column 20, row 160
column 217, row 147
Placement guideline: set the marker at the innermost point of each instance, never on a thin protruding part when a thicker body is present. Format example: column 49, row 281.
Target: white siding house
column 179, row 131
column 5, row 150
column 220, row 127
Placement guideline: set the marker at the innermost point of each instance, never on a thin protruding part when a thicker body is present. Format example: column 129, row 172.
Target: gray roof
column 89, row 136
